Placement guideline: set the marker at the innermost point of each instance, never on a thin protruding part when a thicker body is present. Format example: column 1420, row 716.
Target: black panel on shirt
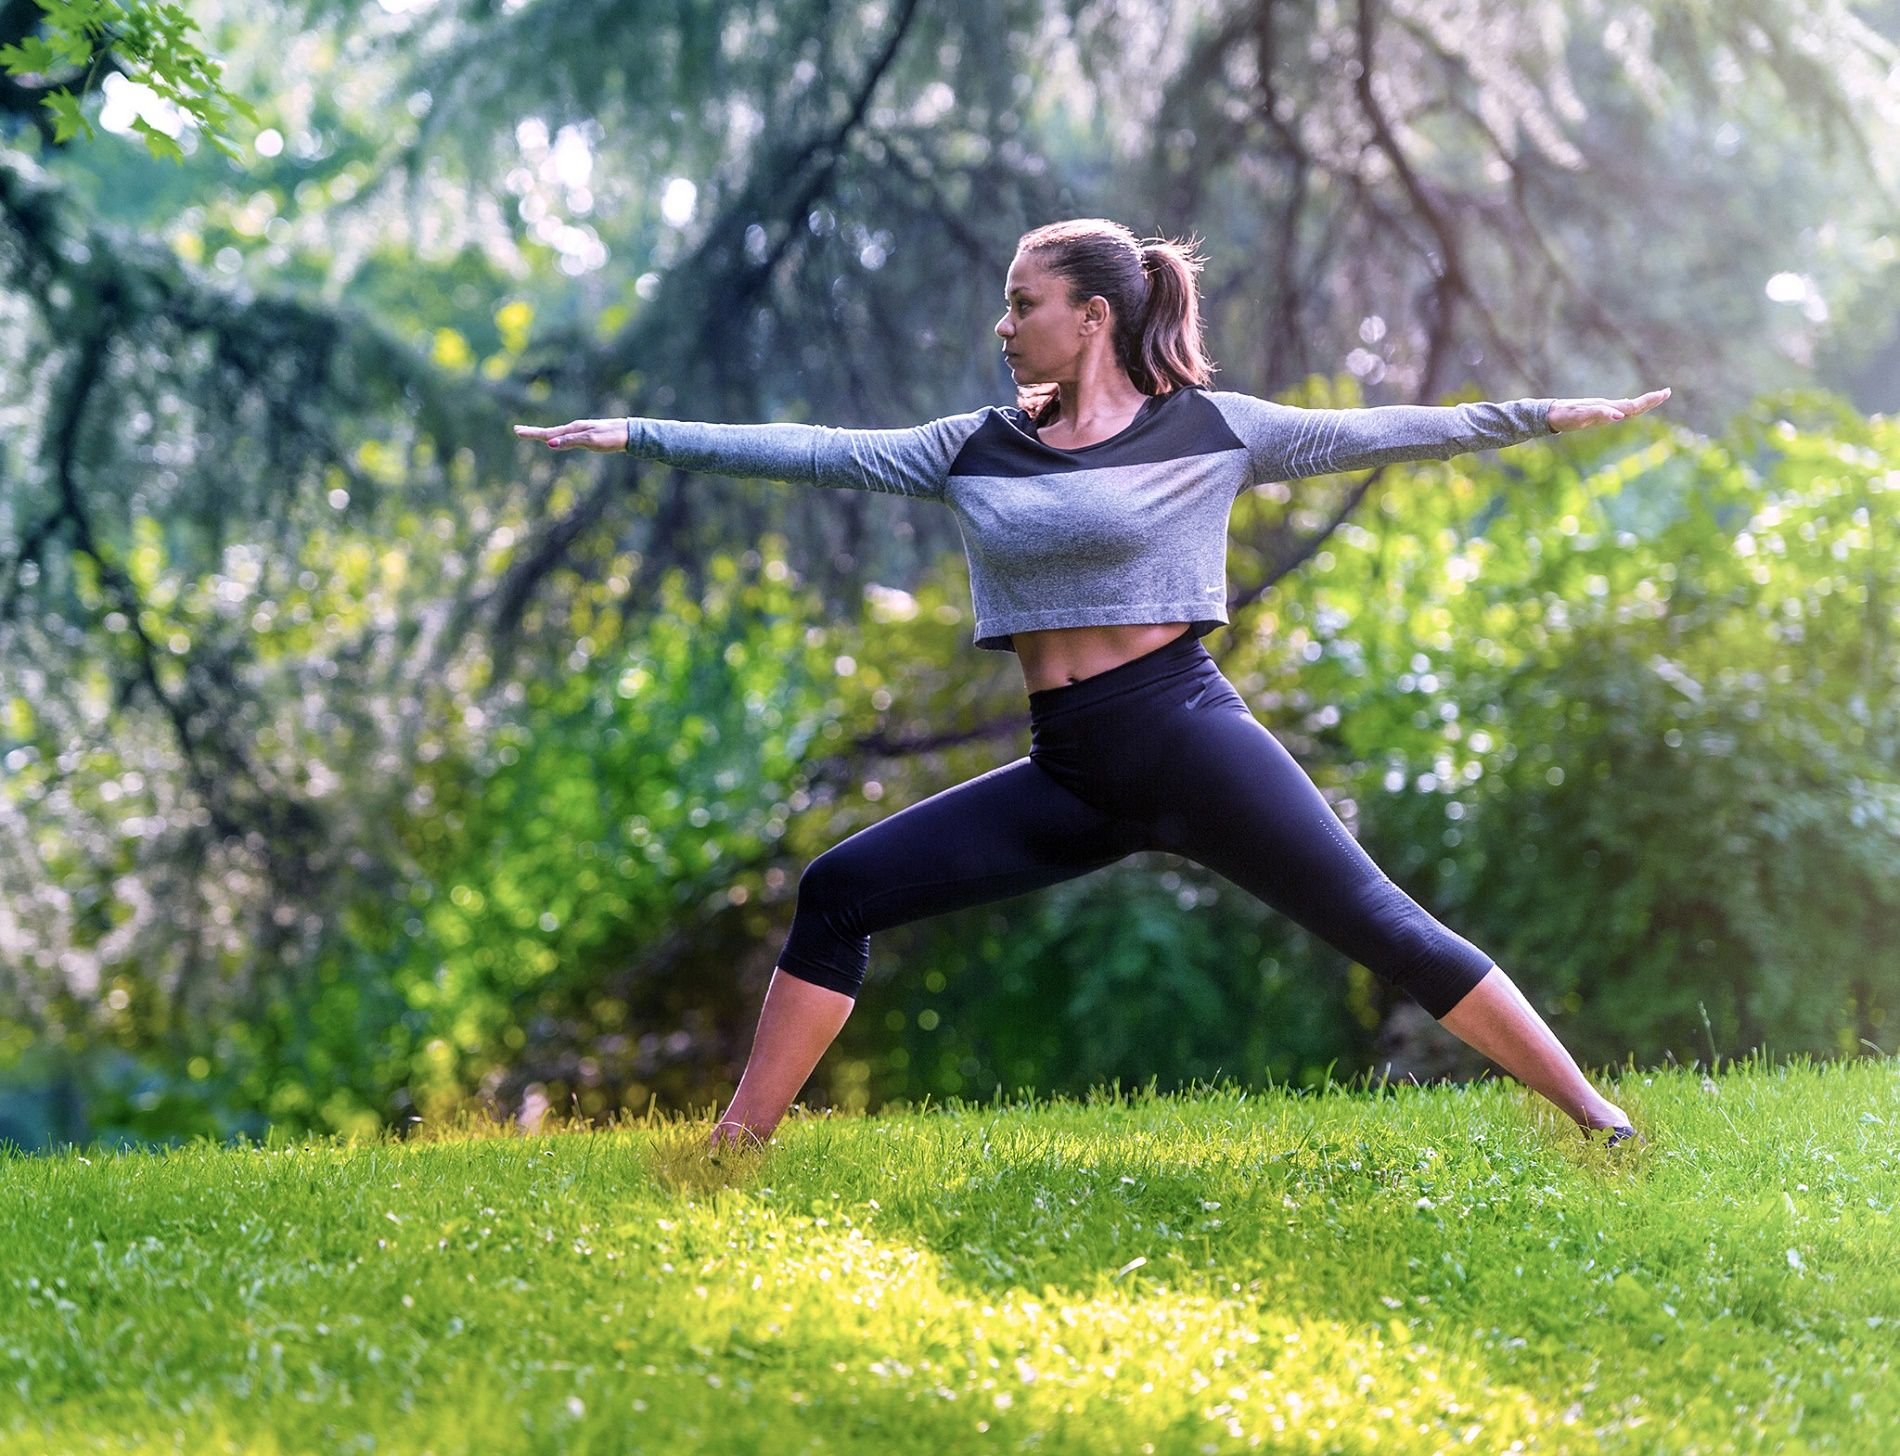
column 1168, row 427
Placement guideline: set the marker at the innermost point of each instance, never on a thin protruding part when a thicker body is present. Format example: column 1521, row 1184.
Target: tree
column 196, row 584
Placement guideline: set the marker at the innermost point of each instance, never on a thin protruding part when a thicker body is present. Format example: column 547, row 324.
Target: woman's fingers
column 549, row 433
column 1642, row 401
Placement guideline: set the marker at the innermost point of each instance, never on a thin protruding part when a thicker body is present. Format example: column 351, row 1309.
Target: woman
column 1094, row 514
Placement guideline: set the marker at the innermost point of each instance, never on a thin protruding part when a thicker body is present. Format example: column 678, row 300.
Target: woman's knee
column 828, row 943
column 832, row 881
column 1417, row 952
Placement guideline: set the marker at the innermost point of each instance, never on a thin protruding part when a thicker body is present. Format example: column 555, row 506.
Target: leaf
column 158, row 143
column 68, row 121
column 31, row 56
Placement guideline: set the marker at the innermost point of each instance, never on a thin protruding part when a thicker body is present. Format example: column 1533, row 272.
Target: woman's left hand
column 598, row 435
column 1577, row 414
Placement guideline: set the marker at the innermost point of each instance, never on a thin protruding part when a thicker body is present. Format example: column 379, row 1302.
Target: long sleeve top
column 1130, row 529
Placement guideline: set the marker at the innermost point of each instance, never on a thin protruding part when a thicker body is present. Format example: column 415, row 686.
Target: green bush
column 1628, row 720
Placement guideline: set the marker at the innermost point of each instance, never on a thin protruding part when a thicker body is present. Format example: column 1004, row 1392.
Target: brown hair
column 1150, row 287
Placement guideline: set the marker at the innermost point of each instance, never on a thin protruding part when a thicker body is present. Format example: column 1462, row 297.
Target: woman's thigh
column 1002, row 834
column 1244, row 807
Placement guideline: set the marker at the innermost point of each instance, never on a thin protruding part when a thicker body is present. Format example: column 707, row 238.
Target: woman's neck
column 1091, row 401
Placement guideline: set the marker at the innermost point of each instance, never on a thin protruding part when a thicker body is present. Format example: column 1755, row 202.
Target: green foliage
column 152, row 43
column 547, row 849
column 1623, row 711
column 1149, row 972
column 257, row 672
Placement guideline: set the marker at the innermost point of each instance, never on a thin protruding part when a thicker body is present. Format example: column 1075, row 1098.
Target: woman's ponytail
column 1168, row 349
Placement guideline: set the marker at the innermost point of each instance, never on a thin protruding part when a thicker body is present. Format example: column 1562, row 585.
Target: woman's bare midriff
column 1058, row 656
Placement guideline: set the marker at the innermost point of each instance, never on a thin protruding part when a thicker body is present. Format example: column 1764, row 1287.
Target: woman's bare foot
column 1603, row 1113
column 733, row 1134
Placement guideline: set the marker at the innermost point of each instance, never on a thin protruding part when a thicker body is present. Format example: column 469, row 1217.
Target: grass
column 1398, row 1269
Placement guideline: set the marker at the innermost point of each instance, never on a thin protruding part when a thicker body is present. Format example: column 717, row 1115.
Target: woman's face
column 1041, row 333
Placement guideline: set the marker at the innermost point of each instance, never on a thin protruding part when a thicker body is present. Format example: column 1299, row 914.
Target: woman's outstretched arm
column 914, row 462
column 1288, row 443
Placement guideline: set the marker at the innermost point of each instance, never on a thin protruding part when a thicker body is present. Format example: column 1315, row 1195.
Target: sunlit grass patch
column 1402, row 1269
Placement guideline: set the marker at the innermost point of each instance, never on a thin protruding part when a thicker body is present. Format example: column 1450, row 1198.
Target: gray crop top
column 1130, row 529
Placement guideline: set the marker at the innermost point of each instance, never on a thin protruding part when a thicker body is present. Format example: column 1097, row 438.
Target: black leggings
column 1159, row 753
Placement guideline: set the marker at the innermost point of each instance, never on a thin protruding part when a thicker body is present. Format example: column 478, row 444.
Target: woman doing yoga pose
column 1094, row 514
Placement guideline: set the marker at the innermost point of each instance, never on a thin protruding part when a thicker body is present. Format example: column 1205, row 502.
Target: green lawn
column 1402, row 1270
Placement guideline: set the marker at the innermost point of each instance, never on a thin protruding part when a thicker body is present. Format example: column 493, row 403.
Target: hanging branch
column 1448, row 276
column 717, row 270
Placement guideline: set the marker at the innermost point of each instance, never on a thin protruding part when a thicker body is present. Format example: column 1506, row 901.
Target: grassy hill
column 1398, row 1269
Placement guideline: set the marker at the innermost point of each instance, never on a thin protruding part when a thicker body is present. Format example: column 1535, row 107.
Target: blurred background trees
column 356, row 761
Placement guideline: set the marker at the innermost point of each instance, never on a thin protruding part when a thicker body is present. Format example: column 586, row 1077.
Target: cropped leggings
column 1158, row 753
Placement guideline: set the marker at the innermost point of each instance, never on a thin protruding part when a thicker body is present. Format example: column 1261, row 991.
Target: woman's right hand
column 1580, row 414
column 602, row 435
